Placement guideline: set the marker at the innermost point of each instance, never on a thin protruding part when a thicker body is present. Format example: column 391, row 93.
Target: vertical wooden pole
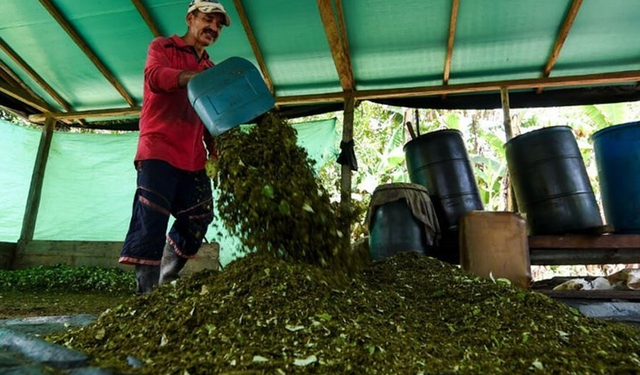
column 506, row 111
column 512, row 204
column 35, row 190
column 345, row 181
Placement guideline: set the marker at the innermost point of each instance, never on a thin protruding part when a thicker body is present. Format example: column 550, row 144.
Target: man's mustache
column 215, row 33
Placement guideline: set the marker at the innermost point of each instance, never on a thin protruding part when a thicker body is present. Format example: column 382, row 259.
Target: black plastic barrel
column 550, row 182
column 439, row 161
column 393, row 228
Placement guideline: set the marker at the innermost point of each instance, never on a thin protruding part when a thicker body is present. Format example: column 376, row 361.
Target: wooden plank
column 84, row 47
column 32, row 73
column 585, row 249
column 254, row 44
column 35, row 189
column 561, row 38
column 629, row 295
column 455, row 6
column 146, row 17
column 97, row 113
column 100, row 254
column 577, row 241
column 336, row 39
column 74, row 253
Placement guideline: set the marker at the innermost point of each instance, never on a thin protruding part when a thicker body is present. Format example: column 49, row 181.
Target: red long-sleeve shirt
column 170, row 129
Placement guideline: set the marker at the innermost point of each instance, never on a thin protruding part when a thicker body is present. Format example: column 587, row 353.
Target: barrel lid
column 533, row 133
column 401, row 186
column 432, row 134
column 612, row 128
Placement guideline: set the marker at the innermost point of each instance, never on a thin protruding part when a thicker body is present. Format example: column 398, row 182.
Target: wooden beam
column 585, row 249
column 29, row 96
column 35, row 189
column 512, row 203
column 9, row 80
column 254, row 44
column 97, row 254
column 146, row 16
column 585, row 241
column 71, row 31
column 506, row 112
column 24, row 97
column 495, row 86
column 342, row 28
column 97, row 113
column 455, row 6
column 336, row 97
column 337, row 44
column 561, row 38
column 32, row 73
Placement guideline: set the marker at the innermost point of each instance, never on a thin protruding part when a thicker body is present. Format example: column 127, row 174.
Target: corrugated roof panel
column 598, row 34
column 406, row 47
column 505, row 39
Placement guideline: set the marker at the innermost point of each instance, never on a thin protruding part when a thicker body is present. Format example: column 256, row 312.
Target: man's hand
column 186, row 76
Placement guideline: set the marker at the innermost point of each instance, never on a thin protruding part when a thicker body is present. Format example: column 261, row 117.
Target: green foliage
column 68, row 279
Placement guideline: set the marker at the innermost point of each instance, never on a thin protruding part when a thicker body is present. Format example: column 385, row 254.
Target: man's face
column 205, row 27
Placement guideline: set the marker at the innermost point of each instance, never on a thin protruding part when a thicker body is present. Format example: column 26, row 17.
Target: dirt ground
column 30, row 304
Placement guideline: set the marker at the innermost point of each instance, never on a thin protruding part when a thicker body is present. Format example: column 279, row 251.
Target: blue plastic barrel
column 617, row 151
column 229, row 94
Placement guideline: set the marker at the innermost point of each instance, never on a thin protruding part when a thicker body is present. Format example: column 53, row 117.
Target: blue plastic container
column 229, row 94
column 617, row 151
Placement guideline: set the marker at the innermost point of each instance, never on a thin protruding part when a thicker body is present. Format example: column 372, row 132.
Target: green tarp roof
column 313, row 50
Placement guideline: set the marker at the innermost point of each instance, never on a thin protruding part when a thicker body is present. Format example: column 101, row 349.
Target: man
column 172, row 152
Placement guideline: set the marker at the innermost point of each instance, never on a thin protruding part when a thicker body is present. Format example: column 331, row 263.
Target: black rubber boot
column 146, row 278
column 171, row 265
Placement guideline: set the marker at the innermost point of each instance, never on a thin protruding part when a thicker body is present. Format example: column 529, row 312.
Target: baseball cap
column 209, row 6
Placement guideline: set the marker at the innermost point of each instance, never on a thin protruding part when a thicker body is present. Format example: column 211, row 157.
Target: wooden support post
column 35, row 190
column 512, row 204
column 345, row 181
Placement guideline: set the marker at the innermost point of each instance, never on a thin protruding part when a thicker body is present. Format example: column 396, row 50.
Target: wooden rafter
column 12, row 78
column 7, row 78
column 23, row 96
column 71, row 31
column 254, row 44
column 98, row 113
column 146, row 16
column 32, row 73
column 561, row 38
column 455, row 6
column 337, row 43
column 496, row 86
column 342, row 28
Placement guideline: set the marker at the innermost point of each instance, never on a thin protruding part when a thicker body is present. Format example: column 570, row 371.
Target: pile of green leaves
column 65, row 278
column 408, row 314
column 270, row 197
